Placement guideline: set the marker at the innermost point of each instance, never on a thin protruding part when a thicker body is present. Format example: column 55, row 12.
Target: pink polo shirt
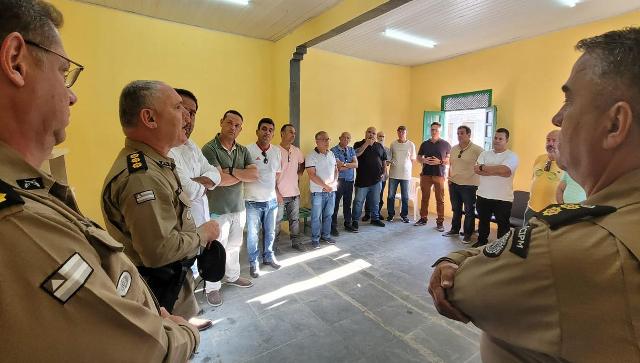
column 287, row 184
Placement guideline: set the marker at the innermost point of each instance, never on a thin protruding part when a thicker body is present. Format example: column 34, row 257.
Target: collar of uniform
column 16, row 168
column 620, row 193
column 217, row 141
column 148, row 151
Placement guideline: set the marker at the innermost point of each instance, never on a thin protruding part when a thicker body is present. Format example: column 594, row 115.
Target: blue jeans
column 344, row 192
column 391, row 197
column 371, row 195
column 463, row 195
column 322, row 204
column 261, row 215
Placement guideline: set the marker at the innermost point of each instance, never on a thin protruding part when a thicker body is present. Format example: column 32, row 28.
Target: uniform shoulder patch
column 495, row 248
column 521, row 240
column 136, row 162
column 67, row 279
column 31, row 183
column 145, row 196
column 8, row 196
column 558, row 215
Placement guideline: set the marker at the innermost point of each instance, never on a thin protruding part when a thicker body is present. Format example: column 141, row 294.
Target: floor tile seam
column 472, row 357
column 435, row 319
column 426, row 353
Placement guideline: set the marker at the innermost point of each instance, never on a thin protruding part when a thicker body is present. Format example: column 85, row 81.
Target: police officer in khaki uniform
column 566, row 287
column 68, row 292
column 143, row 202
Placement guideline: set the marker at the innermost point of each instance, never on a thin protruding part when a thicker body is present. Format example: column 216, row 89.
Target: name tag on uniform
column 63, row 283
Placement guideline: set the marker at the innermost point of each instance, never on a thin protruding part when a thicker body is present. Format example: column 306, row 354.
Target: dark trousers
column 463, row 198
column 367, row 210
column 344, row 192
column 500, row 209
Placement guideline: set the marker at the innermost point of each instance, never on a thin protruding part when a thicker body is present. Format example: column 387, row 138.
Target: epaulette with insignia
column 558, row 215
column 136, row 162
column 8, row 196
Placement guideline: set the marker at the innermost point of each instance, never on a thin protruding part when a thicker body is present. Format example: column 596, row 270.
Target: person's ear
column 13, row 59
column 619, row 120
column 146, row 116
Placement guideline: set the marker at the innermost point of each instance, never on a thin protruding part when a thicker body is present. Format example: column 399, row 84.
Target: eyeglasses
column 547, row 166
column 265, row 160
column 71, row 75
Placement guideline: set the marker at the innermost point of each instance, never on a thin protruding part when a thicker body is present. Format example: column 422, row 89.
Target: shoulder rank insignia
column 8, row 196
column 495, row 248
column 166, row 164
column 136, row 162
column 558, row 215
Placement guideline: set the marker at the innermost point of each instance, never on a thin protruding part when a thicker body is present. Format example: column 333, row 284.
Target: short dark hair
column 401, row 127
column 266, row 120
column 436, row 123
column 466, row 128
column 285, row 126
column 234, row 112
column 35, row 20
column 617, row 53
column 134, row 97
column 504, row 131
column 187, row 93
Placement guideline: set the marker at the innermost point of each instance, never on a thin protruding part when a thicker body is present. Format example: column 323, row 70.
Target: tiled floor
column 362, row 300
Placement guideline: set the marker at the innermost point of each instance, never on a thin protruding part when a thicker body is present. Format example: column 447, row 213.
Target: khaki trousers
column 437, row 182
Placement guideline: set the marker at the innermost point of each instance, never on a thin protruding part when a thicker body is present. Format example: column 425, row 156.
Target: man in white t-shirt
column 402, row 154
column 323, row 183
column 260, row 198
column 496, row 169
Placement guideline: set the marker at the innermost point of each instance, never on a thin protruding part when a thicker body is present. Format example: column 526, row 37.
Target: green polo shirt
column 224, row 200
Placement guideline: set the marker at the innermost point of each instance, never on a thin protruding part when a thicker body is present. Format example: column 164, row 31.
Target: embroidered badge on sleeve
column 68, row 279
column 495, row 248
column 145, row 196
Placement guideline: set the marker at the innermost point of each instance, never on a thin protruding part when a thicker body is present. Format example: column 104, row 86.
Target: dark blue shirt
column 346, row 156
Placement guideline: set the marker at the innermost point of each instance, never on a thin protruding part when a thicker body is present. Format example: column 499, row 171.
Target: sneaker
column 420, row 222
column 377, row 223
column 366, row 218
column 273, row 264
column 214, row 298
column 354, row 225
column 405, row 219
column 440, row 228
column 202, row 324
column 390, row 219
column 351, row 229
column 299, row 247
column 316, row 245
column 241, row 282
column 329, row 240
column 334, row 232
column 466, row 240
column 254, row 271
column 450, row 234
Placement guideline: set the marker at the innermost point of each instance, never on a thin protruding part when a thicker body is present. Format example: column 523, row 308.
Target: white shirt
column 263, row 189
column 190, row 163
column 497, row 187
column 401, row 156
column 325, row 165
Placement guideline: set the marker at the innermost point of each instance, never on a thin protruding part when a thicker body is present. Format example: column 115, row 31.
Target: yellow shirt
column 546, row 176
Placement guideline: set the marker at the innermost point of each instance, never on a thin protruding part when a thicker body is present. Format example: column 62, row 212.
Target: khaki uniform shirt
column 67, row 292
column 565, row 288
column 145, row 209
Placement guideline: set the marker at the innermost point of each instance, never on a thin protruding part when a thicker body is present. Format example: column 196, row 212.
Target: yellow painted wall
column 525, row 76
column 223, row 70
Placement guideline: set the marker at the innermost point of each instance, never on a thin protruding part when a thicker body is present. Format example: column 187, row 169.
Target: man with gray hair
column 143, row 203
column 67, row 287
column 565, row 287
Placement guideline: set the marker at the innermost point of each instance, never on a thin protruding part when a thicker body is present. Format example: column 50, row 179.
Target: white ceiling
column 262, row 19
column 463, row 26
